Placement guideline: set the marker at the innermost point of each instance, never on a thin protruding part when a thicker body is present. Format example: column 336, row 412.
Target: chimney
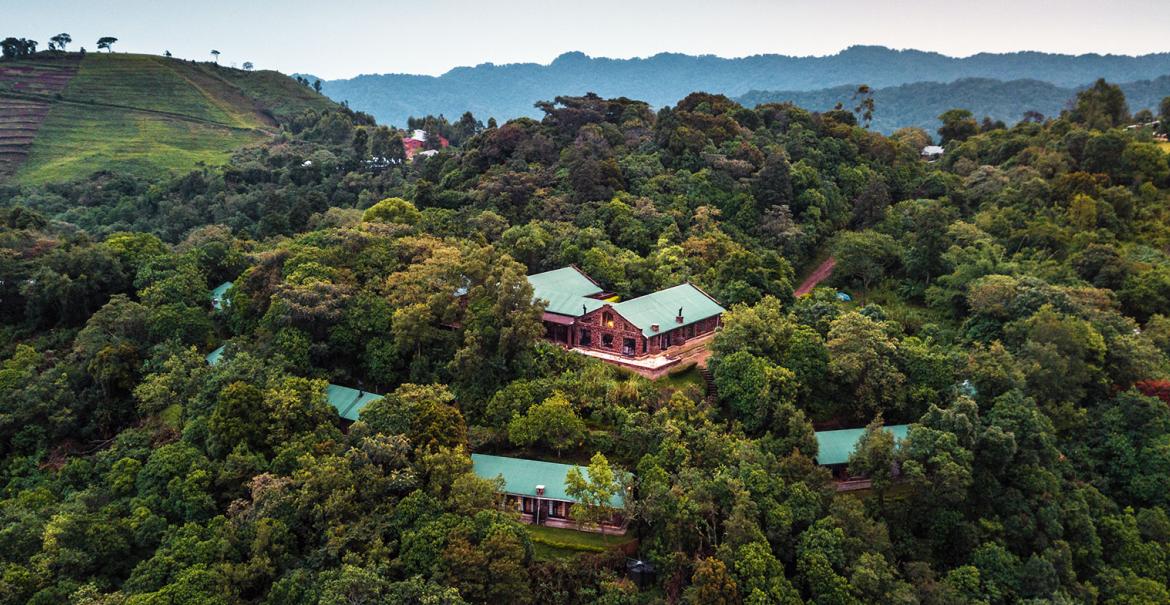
column 540, row 490
column 653, row 327
column 679, row 318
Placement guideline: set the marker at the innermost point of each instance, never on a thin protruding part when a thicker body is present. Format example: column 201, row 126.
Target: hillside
column 919, row 104
column 65, row 116
column 508, row 91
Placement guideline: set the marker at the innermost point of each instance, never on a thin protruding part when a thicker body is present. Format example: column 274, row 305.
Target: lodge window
column 529, row 506
column 585, row 339
column 558, row 510
column 628, row 345
column 607, row 319
column 607, row 341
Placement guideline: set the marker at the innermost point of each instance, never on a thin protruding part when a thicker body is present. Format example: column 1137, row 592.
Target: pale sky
column 342, row 39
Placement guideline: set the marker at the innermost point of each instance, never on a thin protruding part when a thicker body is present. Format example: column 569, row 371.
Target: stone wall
column 610, row 332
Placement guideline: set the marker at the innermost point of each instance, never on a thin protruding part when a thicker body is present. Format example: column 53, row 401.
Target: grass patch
column 557, row 543
column 1164, row 147
column 683, row 379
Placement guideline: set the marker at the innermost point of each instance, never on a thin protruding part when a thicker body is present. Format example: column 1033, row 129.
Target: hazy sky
column 342, row 39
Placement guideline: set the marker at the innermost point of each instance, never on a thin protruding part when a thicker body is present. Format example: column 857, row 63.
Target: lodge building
column 536, row 490
column 579, row 313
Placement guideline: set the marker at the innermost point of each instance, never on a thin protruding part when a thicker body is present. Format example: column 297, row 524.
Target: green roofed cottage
column 349, row 402
column 536, row 489
column 219, row 298
column 214, row 356
column 835, row 447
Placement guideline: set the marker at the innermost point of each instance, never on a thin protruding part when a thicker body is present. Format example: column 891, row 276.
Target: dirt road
column 821, row 273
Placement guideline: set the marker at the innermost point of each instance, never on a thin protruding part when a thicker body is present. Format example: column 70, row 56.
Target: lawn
column 557, row 543
column 1165, row 147
column 682, row 380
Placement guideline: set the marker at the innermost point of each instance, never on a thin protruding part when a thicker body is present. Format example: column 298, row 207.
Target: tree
column 317, row 85
column 61, row 40
column 106, row 42
column 215, row 55
column 17, row 47
column 552, row 422
column 875, row 457
column 594, row 490
column 361, row 143
column 863, row 257
column 864, row 108
column 1164, row 115
column 862, row 357
column 248, row 66
column 957, row 125
column 754, row 389
column 712, row 584
column 1100, row 107
column 392, row 210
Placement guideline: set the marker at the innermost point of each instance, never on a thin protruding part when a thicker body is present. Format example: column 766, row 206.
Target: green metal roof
column 521, row 476
column 662, row 307
column 349, row 402
column 834, row 447
column 219, row 293
column 213, row 357
column 566, row 290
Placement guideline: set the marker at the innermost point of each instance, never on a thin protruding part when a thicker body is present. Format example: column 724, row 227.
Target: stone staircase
column 712, row 394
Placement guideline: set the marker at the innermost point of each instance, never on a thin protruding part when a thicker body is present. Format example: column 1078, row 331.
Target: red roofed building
column 417, row 141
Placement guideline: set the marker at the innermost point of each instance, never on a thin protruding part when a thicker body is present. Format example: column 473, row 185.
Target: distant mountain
column 508, row 91
column 65, row 116
column 919, row 104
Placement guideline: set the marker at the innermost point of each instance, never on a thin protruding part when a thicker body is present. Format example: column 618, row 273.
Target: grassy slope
column 148, row 115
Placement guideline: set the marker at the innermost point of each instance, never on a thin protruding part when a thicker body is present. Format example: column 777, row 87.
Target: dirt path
column 821, row 273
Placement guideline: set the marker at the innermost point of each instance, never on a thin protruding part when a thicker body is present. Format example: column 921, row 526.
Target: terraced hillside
column 64, row 117
column 22, row 111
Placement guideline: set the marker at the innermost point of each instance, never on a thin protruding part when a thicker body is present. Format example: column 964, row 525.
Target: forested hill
column 508, row 91
column 67, row 115
column 1010, row 307
column 920, row 103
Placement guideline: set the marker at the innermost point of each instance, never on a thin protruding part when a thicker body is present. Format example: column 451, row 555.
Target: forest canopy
column 1010, row 302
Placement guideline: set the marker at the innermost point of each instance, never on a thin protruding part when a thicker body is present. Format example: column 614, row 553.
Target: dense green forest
column 1011, row 301
column 509, row 91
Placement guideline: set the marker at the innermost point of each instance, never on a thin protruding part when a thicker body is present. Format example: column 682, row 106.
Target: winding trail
column 821, row 273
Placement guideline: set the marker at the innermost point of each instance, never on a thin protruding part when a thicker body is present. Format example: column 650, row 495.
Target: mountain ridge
column 509, row 90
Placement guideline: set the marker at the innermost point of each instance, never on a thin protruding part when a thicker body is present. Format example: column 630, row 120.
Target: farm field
column 20, row 115
column 64, row 117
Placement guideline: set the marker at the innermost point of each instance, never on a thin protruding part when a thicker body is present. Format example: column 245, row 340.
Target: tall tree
column 61, row 40
column 594, row 490
column 107, row 42
column 1101, row 106
column 957, row 125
